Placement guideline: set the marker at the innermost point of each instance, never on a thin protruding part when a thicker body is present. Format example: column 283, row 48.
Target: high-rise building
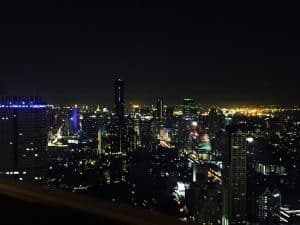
column 75, row 120
column 159, row 109
column 169, row 116
column 215, row 121
column 120, row 128
column 99, row 139
column 120, row 143
column 269, row 204
column 234, row 193
column 23, row 138
column 189, row 109
column 119, row 100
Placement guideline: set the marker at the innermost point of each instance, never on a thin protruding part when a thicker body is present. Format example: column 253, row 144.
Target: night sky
column 68, row 52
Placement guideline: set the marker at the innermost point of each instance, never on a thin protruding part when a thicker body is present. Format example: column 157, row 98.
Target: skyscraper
column 23, row 138
column 119, row 100
column 215, row 121
column 119, row 138
column 169, row 116
column 99, row 139
column 234, row 193
column 189, row 109
column 75, row 120
column 159, row 109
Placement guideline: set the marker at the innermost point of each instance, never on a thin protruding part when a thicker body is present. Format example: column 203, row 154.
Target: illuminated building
column 269, row 204
column 23, row 138
column 136, row 133
column 159, row 109
column 75, row 120
column 119, row 100
column 268, row 170
column 203, row 147
column 189, row 109
column 120, row 142
column 99, row 148
column 164, row 138
column 89, row 125
column 234, row 193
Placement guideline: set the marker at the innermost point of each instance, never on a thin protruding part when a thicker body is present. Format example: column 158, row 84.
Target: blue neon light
column 18, row 106
column 75, row 120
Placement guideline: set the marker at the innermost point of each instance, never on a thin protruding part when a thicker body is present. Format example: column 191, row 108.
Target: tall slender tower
column 119, row 142
column 234, row 193
column 99, row 148
column 119, row 164
column 159, row 109
column 119, row 100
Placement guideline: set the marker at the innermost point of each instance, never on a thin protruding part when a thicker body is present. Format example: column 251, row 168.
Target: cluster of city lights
column 23, row 106
column 256, row 111
column 249, row 111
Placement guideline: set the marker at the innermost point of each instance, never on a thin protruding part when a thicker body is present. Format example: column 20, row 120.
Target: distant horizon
column 167, row 101
column 176, row 104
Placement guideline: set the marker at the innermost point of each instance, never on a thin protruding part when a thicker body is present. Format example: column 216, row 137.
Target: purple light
column 18, row 106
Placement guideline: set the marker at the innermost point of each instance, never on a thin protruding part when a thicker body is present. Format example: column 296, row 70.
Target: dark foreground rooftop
column 28, row 204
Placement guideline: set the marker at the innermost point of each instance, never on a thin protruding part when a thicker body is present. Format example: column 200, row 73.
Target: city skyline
column 117, row 111
column 132, row 100
column 205, row 165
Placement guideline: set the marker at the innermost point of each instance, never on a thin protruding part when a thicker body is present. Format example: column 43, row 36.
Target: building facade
column 234, row 192
column 23, row 138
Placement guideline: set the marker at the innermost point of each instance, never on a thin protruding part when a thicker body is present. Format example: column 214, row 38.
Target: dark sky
column 68, row 52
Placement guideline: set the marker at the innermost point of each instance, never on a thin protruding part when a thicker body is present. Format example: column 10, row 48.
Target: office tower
column 133, row 134
column 189, row 109
column 23, row 138
column 159, row 109
column 119, row 139
column 215, row 121
column 169, row 116
column 99, row 148
column 120, row 128
column 119, row 100
column 75, row 120
column 234, row 192
column 269, row 204
column 89, row 125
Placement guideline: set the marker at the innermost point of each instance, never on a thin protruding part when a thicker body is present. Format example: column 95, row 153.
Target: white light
column 194, row 123
column 180, row 186
column 249, row 139
column 276, row 195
